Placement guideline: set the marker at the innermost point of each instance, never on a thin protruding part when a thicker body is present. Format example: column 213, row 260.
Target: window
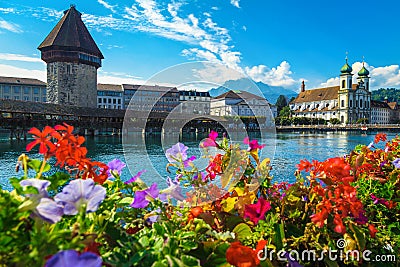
column 119, row 101
column 343, row 84
column 17, row 89
column 44, row 99
column 351, row 103
column 360, row 103
column 69, row 71
column 99, row 100
column 109, row 101
column 26, row 98
column 36, row 99
column 16, row 97
column 6, row 89
column 342, row 103
column 36, row 91
column 27, row 91
column 114, row 101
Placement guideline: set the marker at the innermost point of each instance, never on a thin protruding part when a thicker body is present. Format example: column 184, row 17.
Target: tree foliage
column 281, row 102
column 392, row 94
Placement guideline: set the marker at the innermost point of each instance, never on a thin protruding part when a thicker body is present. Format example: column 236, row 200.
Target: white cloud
column 235, row 3
column 107, row 5
column 17, row 57
column 7, row 10
column 277, row 76
column 331, row 82
column 381, row 77
column 12, row 71
column 9, row 26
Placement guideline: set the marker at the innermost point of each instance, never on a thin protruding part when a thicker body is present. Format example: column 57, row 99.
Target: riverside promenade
column 345, row 128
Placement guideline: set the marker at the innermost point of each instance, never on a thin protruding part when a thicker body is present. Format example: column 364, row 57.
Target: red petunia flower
column 256, row 212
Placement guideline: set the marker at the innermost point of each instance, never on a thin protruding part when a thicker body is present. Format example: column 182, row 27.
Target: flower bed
column 340, row 212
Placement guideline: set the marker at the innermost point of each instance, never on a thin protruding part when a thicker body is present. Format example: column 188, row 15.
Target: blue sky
column 277, row 42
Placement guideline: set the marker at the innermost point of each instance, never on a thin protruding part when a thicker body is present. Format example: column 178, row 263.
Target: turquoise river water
column 290, row 148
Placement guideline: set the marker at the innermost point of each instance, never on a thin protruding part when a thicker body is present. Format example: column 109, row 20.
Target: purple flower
column 81, row 192
column 40, row 185
column 396, row 163
column 68, row 258
column 177, row 153
column 378, row 200
column 134, row 178
column 188, row 162
column 291, row 261
column 362, row 219
column 115, row 167
column 210, row 141
column 42, row 206
column 174, row 190
column 202, row 175
column 143, row 197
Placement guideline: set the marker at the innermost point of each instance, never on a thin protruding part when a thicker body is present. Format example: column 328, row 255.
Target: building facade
column 110, row 96
column 347, row 102
column 150, row 97
column 193, row 102
column 72, row 59
column 22, row 89
column 384, row 112
column 241, row 103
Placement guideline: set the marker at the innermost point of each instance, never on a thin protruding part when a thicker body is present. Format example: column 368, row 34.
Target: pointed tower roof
column 70, row 33
column 346, row 69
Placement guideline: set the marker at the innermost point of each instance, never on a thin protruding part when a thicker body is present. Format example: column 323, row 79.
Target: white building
column 110, row 96
column 384, row 112
column 22, row 89
column 193, row 102
column 241, row 103
column 347, row 102
column 150, row 97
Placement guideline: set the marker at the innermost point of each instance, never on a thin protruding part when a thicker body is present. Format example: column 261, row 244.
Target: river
column 290, row 148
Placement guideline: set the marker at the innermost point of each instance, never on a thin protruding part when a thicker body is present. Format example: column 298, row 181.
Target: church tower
column 72, row 58
column 345, row 88
column 363, row 77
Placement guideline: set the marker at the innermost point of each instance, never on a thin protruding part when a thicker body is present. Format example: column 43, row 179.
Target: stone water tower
column 72, row 58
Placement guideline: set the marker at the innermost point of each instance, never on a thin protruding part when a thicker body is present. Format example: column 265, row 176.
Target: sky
column 280, row 43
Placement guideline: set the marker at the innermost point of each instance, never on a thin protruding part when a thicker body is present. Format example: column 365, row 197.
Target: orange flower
column 380, row 137
column 372, row 230
column 241, row 256
column 43, row 139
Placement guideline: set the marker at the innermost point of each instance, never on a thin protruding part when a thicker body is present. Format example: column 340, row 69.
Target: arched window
column 343, row 84
column 342, row 103
column 351, row 103
column 360, row 103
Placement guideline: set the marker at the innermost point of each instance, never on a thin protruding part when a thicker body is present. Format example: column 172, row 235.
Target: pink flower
column 253, row 144
column 210, row 141
column 256, row 212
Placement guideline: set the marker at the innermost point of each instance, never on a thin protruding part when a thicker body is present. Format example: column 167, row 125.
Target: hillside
column 392, row 94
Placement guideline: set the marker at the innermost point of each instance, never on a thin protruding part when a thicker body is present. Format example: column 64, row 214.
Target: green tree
column 285, row 112
column 281, row 102
column 334, row 121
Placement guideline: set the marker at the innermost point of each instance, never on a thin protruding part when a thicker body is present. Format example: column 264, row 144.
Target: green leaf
column 144, row 241
column 279, row 236
column 190, row 260
column 159, row 264
column 36, row 164
column 125, row 201
column 242, row 230
column 360, row 237
column 57, row 180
